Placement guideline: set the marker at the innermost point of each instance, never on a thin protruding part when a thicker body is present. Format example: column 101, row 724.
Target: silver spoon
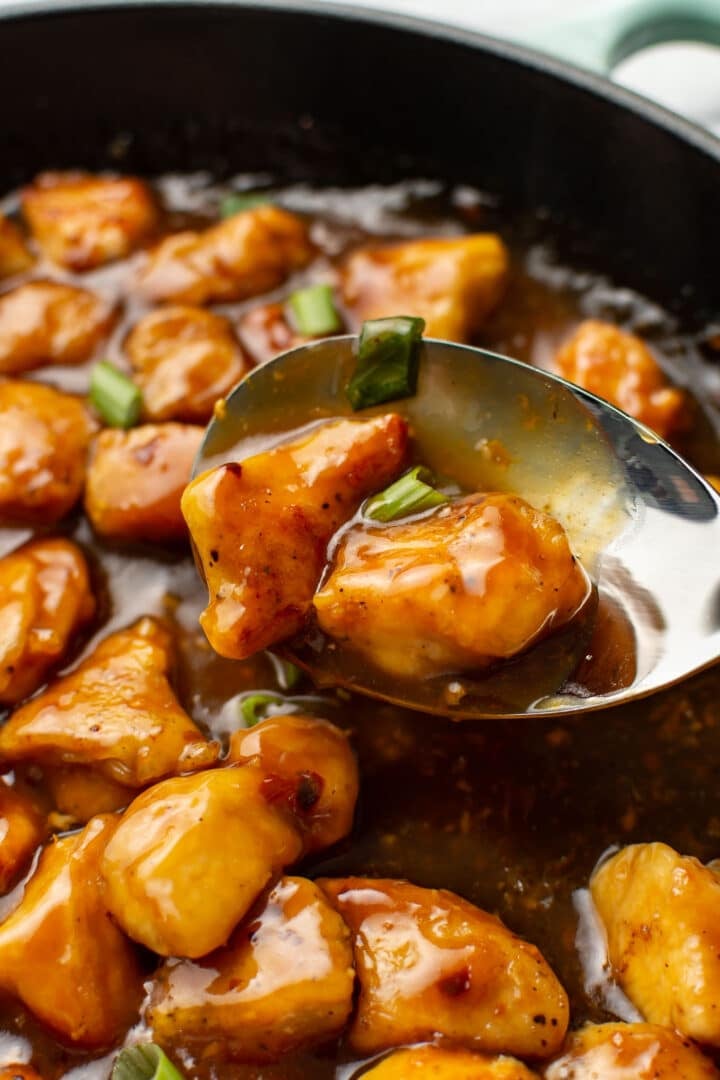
column 645, row 525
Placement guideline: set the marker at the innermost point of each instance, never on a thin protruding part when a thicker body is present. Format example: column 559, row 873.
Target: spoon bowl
column 644, row 524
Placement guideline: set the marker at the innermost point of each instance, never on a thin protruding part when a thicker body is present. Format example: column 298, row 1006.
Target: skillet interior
column 513, row 819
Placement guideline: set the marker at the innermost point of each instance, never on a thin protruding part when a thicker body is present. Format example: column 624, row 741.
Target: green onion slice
column 253, row 708
column 314, row 311
column 235, row 204
column 114, row 395
column 144, row 1062
column 411, row 494
column 387, row 366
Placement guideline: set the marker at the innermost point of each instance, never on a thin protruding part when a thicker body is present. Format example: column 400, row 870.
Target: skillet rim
column 684, row 130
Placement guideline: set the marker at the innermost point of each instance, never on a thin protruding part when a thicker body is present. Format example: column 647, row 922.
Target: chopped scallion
column 146, row 1061
column 254, row 706
column 290, row 675
column 114, row 395
column 387, row 366
column 411, row 494
column 314, row 311
column 235, row 204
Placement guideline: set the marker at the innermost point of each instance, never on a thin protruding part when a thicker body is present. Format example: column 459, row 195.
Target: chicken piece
column 620, row 368
column 309, row 767
column 45, row 598
column 714, row 481
column 261, row 528
column 136, row 478
column 659, row 910
column 22, row 830
column 44, row 436
column 45, row 322
column 82, row 221
column 192, row 855
column 184, row 359
column 437, row 1063
column 453, row 284
column 59, row 952
column 19, row 1072
column 284, row 982
column 478, row 580
column 431, row 963
column 629, row 1052
column 247, row 254
column 265, row 332
column 116, row 714
column 14, row 255
column 79, row 793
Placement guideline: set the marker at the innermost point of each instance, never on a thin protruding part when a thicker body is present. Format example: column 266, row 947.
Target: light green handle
column 600, row 41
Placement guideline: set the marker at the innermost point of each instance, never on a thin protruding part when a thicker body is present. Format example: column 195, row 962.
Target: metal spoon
column 643, row 522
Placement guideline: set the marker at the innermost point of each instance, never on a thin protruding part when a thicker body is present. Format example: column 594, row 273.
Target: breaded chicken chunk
column 437, row 1063
column 19, row 1072
column 659, row 910
column 61, row 955
column 22, row 830
column 44, row 437
column 624, row 1051
column 136, row 478
column 619, row 367
column 453, row 284
column 14, row 255
column 261, row 528
column 192, row 855
column 283, row 983
column 115, row 713
column 309, row 767
column 431, row 963
column 81, row 221
column 244, row 255
column 45, row 322
column 79, row 793
column 265, row 332
column 45, row 598
column 478, row 580
column 184, row 359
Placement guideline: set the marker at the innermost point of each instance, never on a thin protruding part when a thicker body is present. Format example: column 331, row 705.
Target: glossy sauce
column 512, row 817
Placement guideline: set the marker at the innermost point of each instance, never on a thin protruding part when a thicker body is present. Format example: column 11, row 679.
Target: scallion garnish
column 146, row 1061
column 290, row 675
column 235, row 204
column 387, row 366
column 114, row 395
column 314, row 310
column 411, row 494
column 253, row 708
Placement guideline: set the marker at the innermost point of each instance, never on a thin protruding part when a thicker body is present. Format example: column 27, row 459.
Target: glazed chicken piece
column 619, row 367
column 192, row 855
column 115, row 713
column 22, row 830
column 242, row 256
column 61, row 955
column 624, row 1051
column 453, row 284
column 81, row 221
column 283, row 983
column 478, row 580
column 309, row 767
column 79, row 793
column 44, row 436
column 266, row 332
column 19, row 1072
column 261, row 528
column 184, row 359
column 136, row 478
column 14, row 255
column 431, row 963
column 659, row 910
column 437, row 1063
column 45, row 598
column 46, row 322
